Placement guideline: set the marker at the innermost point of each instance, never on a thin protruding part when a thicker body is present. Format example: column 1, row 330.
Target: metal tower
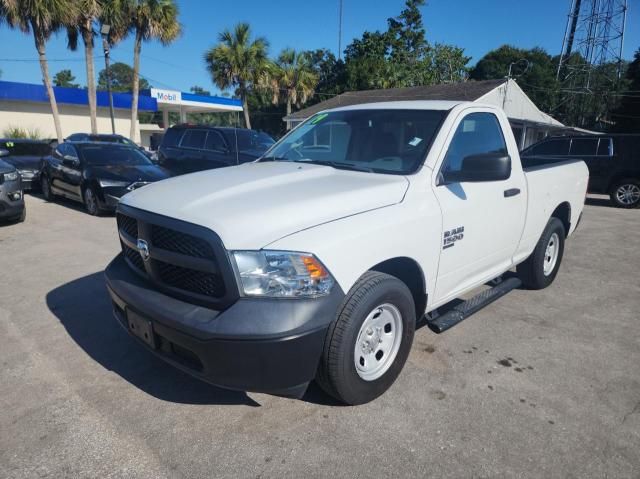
column 591, row 60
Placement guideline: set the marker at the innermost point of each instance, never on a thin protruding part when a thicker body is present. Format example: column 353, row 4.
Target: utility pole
column 339, row 29
column 105, row 46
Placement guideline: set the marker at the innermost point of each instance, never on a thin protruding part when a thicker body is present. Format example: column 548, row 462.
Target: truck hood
column 252, row 205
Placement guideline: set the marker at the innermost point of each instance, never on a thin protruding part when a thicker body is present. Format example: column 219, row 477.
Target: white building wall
column 73, row 119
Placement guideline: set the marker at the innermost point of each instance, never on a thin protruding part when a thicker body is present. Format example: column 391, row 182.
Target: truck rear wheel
column 540, row 269
column 368, row 343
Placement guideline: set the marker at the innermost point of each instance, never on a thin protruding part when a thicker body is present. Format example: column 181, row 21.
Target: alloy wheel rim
column 628, row 194
column 551, row 254
column 91, row 201
column 378, row 342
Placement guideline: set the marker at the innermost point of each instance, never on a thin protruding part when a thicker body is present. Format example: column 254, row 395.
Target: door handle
column 511, row 192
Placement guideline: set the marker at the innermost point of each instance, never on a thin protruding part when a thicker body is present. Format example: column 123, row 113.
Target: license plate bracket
column 141, row 327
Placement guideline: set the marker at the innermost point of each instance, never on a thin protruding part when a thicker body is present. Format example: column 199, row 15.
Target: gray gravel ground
column 539, row 384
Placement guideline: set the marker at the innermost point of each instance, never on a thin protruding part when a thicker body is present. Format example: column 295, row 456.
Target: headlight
column 13, row 176
column 113, row 183
column 281, row 274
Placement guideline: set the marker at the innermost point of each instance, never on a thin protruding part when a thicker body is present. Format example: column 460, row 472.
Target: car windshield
column 378, row 141
column 101, row 155
column 112, row 139
column 249, row 140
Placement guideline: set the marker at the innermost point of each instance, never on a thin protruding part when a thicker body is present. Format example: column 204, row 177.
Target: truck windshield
column 378, row 141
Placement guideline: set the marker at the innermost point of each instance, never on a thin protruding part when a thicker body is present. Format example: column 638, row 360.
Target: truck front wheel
column 369, row 341
column 540, row 269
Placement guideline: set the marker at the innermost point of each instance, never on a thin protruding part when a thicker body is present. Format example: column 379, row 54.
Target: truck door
column 482, row 219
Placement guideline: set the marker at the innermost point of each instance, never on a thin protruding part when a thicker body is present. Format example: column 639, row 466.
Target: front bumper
column 30, row 180
column 11, row 208
column 261, row 345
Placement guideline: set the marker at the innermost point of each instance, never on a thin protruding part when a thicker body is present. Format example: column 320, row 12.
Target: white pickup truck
column 316, row 261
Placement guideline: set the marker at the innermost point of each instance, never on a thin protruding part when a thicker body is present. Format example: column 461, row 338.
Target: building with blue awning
column 26, row 106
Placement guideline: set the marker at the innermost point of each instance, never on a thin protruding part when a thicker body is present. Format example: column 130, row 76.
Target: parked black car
column 96, row 174
column 26, row 156
column 189, row 148
column 109, row 138
column 11, row 198
column 613, row 162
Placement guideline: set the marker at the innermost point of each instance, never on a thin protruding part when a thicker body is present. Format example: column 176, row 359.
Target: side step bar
column 439, row 324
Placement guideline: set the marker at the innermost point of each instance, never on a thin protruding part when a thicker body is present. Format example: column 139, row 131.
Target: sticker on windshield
column 319, row 118
column 415, row 141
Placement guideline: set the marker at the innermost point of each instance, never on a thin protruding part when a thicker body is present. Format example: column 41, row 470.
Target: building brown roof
column 464, row 91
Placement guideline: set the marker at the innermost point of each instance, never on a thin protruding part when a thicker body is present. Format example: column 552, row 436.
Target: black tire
column 532, row 271
column 625, row 193
column 45, row 187
column 337, row 373
column 23, row 216
column 91, row 201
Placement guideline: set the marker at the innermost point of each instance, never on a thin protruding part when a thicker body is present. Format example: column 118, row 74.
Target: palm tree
column 41, row 18
column 150, row 19
column 83, row 27
column 293, row 75
column 237, row 61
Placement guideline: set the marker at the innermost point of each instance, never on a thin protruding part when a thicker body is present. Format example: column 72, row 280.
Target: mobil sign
column 166, row 96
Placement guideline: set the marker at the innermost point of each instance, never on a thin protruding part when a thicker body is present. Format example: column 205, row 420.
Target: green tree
column 198, row 90
column 448, row 64
column 330, row 71
column 293, row 78
column 402, row 56
column 239, row 62
column 121, row 79
column 534, row 70
column 89, row 11
column 150, row 20
column 41, row 18
column 627, row 115
column 65, row 79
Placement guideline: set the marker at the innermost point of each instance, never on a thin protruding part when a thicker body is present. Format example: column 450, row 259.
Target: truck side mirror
column 482, row 167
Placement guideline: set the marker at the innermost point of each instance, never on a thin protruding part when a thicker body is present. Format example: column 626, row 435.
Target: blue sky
column 476, row 25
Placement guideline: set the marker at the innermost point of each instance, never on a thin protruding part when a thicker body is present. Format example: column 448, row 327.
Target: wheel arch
column 563, row 213
column 410, row 273
column 622, row 175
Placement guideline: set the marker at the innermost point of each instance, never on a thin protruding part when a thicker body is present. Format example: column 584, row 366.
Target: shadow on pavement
column 598, row 202
column 83, row 307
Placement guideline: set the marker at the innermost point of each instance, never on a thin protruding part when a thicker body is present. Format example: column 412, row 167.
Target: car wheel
column 368, row 343
column 91, row 202
column 626, row 193
column 45, row 186
column 540, row 269
column 23, row 215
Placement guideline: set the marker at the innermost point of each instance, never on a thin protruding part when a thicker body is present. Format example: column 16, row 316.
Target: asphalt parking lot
column 539, row 384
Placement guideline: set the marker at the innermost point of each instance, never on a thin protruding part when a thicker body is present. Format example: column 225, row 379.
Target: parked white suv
column 317, row 260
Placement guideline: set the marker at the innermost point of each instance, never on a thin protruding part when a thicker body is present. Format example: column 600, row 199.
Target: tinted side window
column 559, row 147
column 605, row 147
column 477, row 134
column 172, row 137
column 215, row 142
column 194, row 139
column 584, row 147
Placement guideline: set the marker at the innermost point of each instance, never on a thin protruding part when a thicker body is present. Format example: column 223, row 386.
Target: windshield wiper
column 273, row 158
column 338, row 166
